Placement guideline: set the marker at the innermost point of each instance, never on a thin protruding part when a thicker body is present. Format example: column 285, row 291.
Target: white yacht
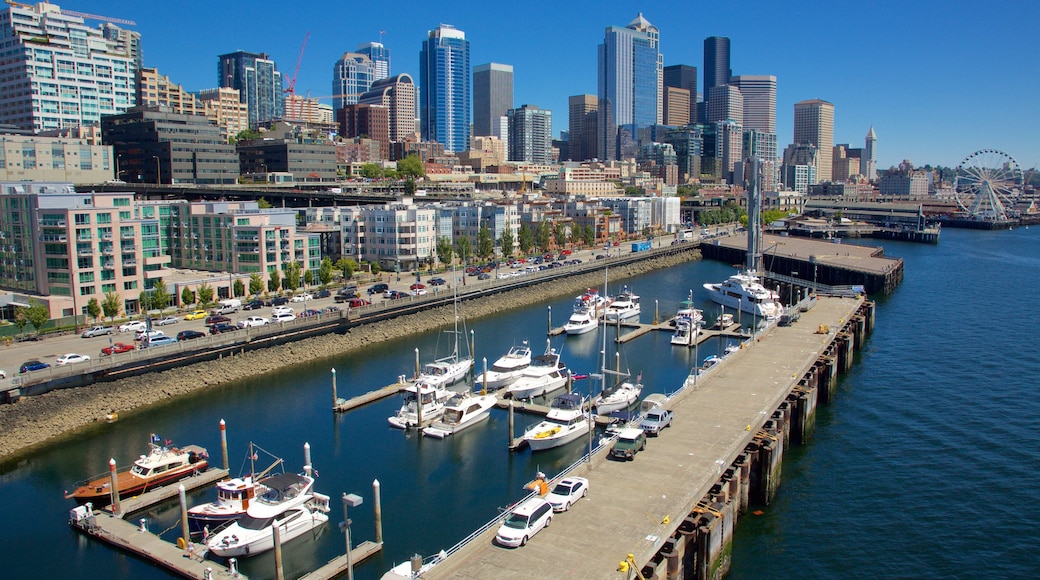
column 624, row 306
column 420, row 398
column 507, row 369
column 580, row 323
column 461, row 412
column 565, row 422
column 233, row 495
column 746, row 292
column 687, row 311
column 289, row 502
column 545, row 375
column 685, row 333
column 617, row 398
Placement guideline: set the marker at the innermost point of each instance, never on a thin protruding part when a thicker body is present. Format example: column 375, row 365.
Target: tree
column 632, row 191
column 93, row 309
column 347, row 266
column 411, row 166
column 262, row 203
column 409, row 186
column 375, row 267
column 371, row 171
column 588, row 234
column 274, row 281
column 325, row 271
column 292, row 276
column 542, row 236
column 187, row 296
column 112, row 305
column 21, row 318
column 238, row 289
column 463, row 249
column 560, row 234
column 308, row 278
column 575, row 233
column 160, row 295
column 246, row 135
column 205, row 294
column 526, row 239
column 37, row 314
column 444, row 251
column 256, row 283
column 485, row 243
column 144, row 300
column 507, row 242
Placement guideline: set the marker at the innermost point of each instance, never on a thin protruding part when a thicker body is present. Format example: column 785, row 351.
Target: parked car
column 394, row 294
column 216, row 319
column 526, row 520
column 322, row 294
column 195, row 315
column 167, row 320
column 419, row 292
column 358, row 302
column 630, row 441
column 417, row 286
column 437, row 282
column 378, row 289
column 279, row 301
column 253, row 305
column 283, row 317
column 133, row 326
column 32, row 365
column 222, row 327
column 160, row 341
column 3, row 374
column 567, row 492
column 71, row 359
column 189, row 335
column 253, row 321
column 308, row 313
column 97, row 331
column 656, row 420
column 117, row 348
column 149, row 334
column 282, row 310
column 302, row 297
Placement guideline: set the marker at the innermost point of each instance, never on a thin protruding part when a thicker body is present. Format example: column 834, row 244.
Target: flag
column 168, row 441
column 579, row 377
column 155, row 438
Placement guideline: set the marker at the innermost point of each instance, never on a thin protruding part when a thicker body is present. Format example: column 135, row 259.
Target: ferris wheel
column 988, row 184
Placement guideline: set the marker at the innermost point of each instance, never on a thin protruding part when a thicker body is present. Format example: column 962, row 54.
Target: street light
column 158, row 170
column 351, row 500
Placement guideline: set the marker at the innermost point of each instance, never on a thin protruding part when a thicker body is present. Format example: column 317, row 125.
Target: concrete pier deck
column 633, row 507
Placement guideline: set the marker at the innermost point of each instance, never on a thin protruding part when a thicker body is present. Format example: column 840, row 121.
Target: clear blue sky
column 938, row 80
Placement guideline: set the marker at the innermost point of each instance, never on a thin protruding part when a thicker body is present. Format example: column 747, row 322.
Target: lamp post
column 349, row 500
column 158, row 170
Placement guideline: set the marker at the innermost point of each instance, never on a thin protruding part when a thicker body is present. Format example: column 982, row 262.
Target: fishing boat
column 565, row 422
column 461, row 412
column 507, row 369
column 623, row 307
column 423, row 404
column 745, row 292
column 233, row 495
column 545, row 375
column 162, row 465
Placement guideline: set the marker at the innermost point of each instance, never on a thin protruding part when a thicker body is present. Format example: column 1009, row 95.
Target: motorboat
column 580, row 323
column 565, row 422
column 288, row 501
column 724, row 321
column 461, row 412
column 730, row 349
column 592, row 302
column 688, row 312
column 420, row 398
column 545, row 375
column 685, row 333
column 507, row 369
column 415, row 568
column 162, row 465
column 711, row 361
column 233, row 496
column 745, row 292
column 623, row 307
column 620, row 396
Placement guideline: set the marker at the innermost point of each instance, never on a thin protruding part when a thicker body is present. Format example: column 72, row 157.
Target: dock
column 338, row 565
column 146, row 500
column 344, row 405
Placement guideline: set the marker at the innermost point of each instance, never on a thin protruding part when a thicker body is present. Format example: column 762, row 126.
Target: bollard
column 378, row 511
column 232, row 564
column 223, row 443
column 116, row 511
column 207, row 574
column 184, row 516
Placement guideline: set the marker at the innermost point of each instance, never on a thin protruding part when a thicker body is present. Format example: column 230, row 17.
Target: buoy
column 758, row 512
column 112, row 417
column 181, row 543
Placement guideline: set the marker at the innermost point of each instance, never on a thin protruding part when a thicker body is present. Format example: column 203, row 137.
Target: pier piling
column 378, row 511
column 279, row 573
column 115, row 486
column 335, row 396
column 185, row 534
column 223, row 443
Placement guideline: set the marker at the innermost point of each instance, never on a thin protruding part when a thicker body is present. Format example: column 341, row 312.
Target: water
column 922, row 467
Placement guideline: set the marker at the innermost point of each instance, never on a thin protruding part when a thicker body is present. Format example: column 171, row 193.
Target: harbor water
column 922, row 467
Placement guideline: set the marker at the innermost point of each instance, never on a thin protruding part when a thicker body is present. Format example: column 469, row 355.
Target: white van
column 525, row 521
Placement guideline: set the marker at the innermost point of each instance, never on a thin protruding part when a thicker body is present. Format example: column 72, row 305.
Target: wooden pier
column 342, row 406
column 146, row 500
column 338, row 565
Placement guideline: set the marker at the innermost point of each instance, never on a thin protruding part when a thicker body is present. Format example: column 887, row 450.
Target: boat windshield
column 139, row 471
column 516, row 521
column 250, row 523
column 452, row 416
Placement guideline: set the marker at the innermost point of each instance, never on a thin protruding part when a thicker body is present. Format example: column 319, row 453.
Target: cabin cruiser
column 624, row 306
column 685, row 333
column 507, row 369
column 688, row 312
column 580, row 323
column 620, row 396
column 163, row 464
column 545, row 375
column 233, row 496
column 420, row 398
column 565, row 422
column 461, row 412
column 744, row 291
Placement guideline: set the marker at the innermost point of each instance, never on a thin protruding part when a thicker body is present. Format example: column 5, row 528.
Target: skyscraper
column 444, row 81
column 492, row 96
column 676, row 107
column 631, row 81
column 380, row 57
column 352, row 76
column 581, row 125
column 759, row 93
column 725, row 103
column 814, row 125
column 530, row 134
column 683, row 76
column 716, row 63
column 258, row 82
column 397, row 93
column 870, row 156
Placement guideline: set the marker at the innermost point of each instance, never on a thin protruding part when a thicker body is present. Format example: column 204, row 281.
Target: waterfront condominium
column 444, row 82
column 352, row 76
column 530, row 135
column 814, row 125
column 630, row 82
column 258, row 82
column 492, row 97
column 716, row 63
column 56, row 72
column 380, row 57
column 759, row 93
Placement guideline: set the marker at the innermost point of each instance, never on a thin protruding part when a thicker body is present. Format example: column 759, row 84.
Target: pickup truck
column 97, row 331
column 655, row 420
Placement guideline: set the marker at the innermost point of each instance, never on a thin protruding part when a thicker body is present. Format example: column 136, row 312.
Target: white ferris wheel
column 989, row 183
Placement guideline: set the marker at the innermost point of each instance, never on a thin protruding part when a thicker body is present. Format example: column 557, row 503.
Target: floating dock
column 338, row 565
column 146, row 500
column 344, row 405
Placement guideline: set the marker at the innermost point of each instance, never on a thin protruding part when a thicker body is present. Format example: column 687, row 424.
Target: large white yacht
column 746, row 292
column 624, row 306
column 420, row 398
column 565, row 422
column 545, row 375
column 507, row 369
column 461, row 412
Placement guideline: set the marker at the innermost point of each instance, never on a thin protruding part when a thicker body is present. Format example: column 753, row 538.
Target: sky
column 938, row 80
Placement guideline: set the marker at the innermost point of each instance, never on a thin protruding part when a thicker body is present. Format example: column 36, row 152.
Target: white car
column 419, row 292
column 151, row 334
column 282, row 311
column 3, row 374
column 253, row 321
column 167, row 320
column 302, row 297
column 525, row 521
column 71, row 358
column 567, row 492
column 133, row 326
column 283, row 317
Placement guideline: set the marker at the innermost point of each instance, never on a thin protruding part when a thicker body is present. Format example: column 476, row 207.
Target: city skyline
column 903, row 69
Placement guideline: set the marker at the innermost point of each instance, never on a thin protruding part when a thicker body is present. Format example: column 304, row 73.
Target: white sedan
column 71, row 358
column 167, row 320
column 567, row 492
column 302, row 297
column 133, row 326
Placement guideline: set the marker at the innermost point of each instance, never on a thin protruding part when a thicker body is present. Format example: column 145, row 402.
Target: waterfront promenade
column 634, row 507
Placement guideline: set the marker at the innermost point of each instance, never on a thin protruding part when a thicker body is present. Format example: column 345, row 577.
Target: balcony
column 129, row 236
column 85, row 252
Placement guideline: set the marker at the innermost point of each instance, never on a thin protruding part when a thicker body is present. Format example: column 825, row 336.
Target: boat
column 461, row 412
column 730, row 349
column 451, row 369
column 420, row 398
column 621, row 396
column 588, row 307
column 580, row 323
column 233, row 496
column 685, row 333
column 745, row 292
column 724, row 321
column 688, row 312
column 162, row 465
column 623, row 307
column 507, row 369
column 565, row 422
column 288, row 501
column 545, row 375
column 711, row 361
column 415, row 568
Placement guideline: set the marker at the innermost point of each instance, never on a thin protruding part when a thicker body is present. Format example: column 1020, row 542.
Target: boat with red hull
column 163, row 465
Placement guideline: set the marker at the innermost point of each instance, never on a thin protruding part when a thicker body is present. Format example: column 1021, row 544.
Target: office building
column 682, row 76
column 398, row 95
column 759, row 92
column 581, row 124
column 716, row 62
column 677, row 107
column 845, row 162
column 688, row 144
column 530, row 134
column 28, row 157
column 814, row 125
column 729, row 149
column 352, row 76
column 57, row 72
column 258, row 82
column 224, row 107
column 869, row 160
column 154, row 90
column 380, row 57
column 365, row 120
column 444, row 75
column 492, row 96
column 725, row 103
column 285, row 149
column 630, row 82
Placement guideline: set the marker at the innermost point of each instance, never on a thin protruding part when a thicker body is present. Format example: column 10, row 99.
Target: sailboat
column 623, row 394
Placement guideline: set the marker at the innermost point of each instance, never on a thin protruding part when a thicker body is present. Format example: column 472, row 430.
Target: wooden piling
column 223, row 443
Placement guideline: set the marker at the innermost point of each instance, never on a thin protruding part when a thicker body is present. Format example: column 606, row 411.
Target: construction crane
column 83, row 15
column 291, row 89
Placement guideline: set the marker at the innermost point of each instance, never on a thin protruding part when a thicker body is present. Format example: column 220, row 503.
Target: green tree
column 575, row 235
column 21, row 318
column 588, row 234
column 411, row 166
column 560, row 234
column 371, row 171
column 144, row 300
column 37, row 314
column 444, row 251
column 262, row 203
column 274, row 281
column 256, row 283
column 93, row 309
column 347, row 266
column 160, row 295
column 375, row 267
column 409, row 186
column 187, row 296
column 205, row 294
column 325, row 271
column 507, row 242
column 238, row 288
column 246, row 135
column 292, row 276
column 464, row 249
column 112, row 305
column 485, row 243
column 542, row 236
column 308, row 278
column 526, row 239
column 632, row 191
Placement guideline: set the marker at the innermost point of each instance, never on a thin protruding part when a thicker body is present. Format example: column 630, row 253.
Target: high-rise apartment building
column 630, row 80
column 581, row 126
column 682, row 76
column 492, row 96
column 814, row 125
column 56, row 72
column 224, row 107
column 397, row 94
column 716, row 63
column 725, row 103
column 352, row 76
column 444, row 79
column 154, row 89
column 759, row 92
column 869, row 160
column 127, row 42
column 530, row 134
column 258, row 82
column 380, row 57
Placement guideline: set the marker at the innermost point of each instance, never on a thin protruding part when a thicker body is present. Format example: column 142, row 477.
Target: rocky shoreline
column 33, row 422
